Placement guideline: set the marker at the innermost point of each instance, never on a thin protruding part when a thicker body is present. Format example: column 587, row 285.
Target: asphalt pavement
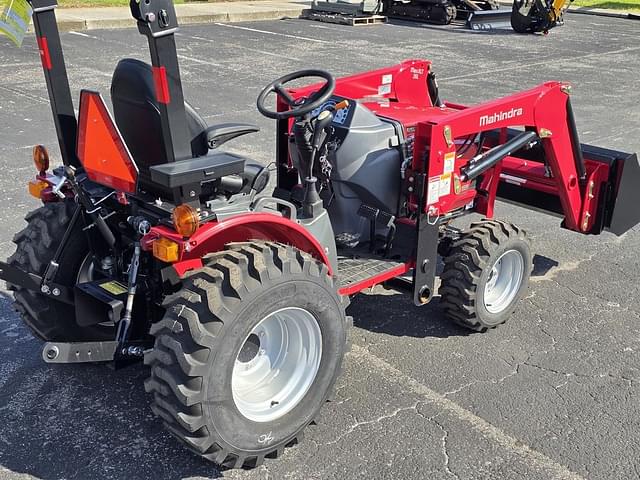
column 554, row 393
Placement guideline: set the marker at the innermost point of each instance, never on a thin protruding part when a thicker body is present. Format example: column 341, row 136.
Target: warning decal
column 113, row 287
column 445, row 184
column 449, row 162
column 433, row 190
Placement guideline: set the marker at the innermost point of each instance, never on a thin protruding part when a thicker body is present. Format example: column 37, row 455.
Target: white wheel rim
column 277, row 364
column 504, row 281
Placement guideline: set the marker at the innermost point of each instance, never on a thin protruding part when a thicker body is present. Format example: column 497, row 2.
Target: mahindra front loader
column 154, row 243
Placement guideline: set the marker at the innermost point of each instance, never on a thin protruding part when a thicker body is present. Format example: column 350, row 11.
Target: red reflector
column 162, row 85
column 100, row 147
column 43, row 46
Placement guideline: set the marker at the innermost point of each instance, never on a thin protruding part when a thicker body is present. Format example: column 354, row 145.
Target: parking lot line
column 268, row 32
column 532, row 457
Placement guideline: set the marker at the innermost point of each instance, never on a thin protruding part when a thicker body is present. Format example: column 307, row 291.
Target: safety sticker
column 445, row 184
column 113, row 287
column 384, row 89
column 14, row 19
column 449, row 162
column 387, row 79
column 433, row 190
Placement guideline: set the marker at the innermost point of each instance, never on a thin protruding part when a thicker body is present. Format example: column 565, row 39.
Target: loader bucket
column 489, row 19
column 620, row 208
column 625, row 201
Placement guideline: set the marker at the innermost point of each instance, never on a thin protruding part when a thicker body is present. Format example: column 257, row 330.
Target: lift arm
column 587, row 190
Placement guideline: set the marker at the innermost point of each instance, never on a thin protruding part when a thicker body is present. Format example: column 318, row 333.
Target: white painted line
column 532, row 457
column 197, row 60
column 20, row 64
column 242, row 47
column 71, row 32
column 296, row 37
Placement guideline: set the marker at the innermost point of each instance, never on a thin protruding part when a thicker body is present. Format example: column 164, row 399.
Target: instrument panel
column 341, row 116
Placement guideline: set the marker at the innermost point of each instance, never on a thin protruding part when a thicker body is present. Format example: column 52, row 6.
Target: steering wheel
column 298, row 108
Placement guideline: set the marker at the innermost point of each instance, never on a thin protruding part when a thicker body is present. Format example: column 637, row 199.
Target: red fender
column 213, row 236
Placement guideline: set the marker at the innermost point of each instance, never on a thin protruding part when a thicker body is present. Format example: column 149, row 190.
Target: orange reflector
column 185, row 220
column 166, row 250
column 101, row 149
column 41, row 158
column 37, row 187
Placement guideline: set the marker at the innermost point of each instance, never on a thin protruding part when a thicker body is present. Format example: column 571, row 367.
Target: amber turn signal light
column 36, row 188
column 41, row 158
column 166, row 250
column 185, row 220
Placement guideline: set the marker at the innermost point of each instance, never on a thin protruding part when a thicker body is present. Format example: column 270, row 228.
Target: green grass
column 98, row 3
column 628, row 5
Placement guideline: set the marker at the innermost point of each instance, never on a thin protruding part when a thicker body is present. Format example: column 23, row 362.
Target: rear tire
column 486, row 273
column 48, row 319
column 210, row 337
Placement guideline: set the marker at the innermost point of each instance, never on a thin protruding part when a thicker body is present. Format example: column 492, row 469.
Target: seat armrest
column 197, row 170
column 218, row 134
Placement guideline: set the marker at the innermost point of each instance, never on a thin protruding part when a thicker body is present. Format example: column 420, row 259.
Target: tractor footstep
column 79, row 352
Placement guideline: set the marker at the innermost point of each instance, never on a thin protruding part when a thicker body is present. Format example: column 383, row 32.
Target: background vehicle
column 152, row 242
column 537, row 16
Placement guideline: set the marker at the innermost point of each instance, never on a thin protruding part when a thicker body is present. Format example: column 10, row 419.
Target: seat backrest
column 137, row 116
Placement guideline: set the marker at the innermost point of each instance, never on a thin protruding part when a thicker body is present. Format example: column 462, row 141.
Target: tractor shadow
column 542, row 265
column 80, row 421
column 391, row 312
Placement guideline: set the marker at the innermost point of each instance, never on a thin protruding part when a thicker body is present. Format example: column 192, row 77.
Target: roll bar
column 157, row 21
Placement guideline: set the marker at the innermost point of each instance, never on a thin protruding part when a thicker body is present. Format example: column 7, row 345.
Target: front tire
column 248, row 352
column 486, row 272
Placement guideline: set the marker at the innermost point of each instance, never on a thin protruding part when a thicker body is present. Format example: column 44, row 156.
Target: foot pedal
column 79, row 352
column 375, row 216
column 347, row 240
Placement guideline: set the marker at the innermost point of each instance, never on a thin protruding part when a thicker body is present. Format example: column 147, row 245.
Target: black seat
column 137, row 116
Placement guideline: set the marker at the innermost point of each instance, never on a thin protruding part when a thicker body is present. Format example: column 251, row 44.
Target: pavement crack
column 445, row 450
column 357, row 425
column 628, row 381
column 493, row 381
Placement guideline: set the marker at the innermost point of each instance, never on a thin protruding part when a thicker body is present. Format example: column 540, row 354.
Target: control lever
column 311, row 197
column 320, row 128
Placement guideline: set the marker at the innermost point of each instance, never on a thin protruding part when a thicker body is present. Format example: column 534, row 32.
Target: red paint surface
column 213, row 236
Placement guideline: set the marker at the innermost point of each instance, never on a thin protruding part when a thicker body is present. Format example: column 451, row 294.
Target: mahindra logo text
column 499, row 116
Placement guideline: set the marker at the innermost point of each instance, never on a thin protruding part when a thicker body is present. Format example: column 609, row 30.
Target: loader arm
column 561, row 171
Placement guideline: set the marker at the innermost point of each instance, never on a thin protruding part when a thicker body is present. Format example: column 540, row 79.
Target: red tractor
column 153, row 243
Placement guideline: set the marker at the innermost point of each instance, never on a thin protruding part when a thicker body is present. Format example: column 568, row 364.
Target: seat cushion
column 137, row 116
